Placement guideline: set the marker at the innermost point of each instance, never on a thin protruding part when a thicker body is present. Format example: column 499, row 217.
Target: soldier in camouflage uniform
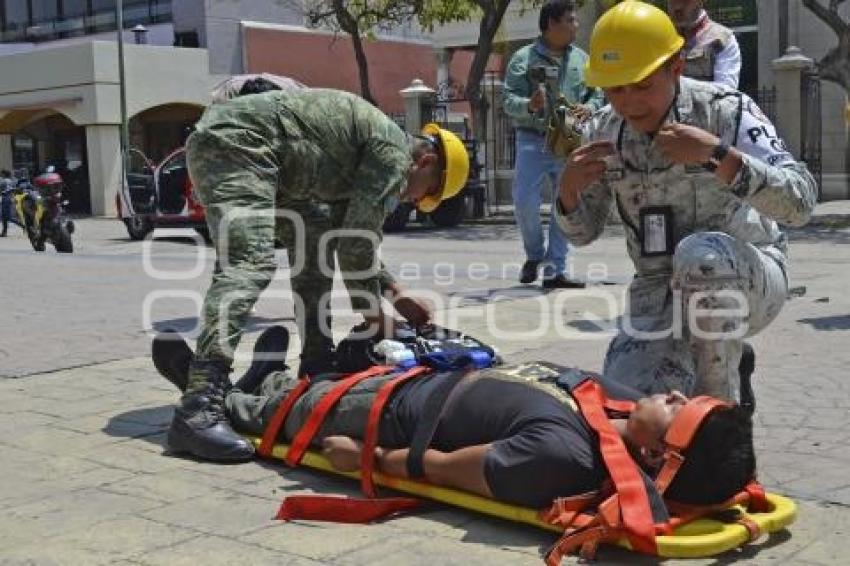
column 700, row 180
column 317, row 170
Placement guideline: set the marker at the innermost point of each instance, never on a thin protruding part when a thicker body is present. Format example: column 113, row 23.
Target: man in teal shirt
column 536, row 166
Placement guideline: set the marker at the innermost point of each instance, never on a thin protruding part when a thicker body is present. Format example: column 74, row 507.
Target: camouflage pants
column 249, row 413
column 662, row 347
column 236, row 178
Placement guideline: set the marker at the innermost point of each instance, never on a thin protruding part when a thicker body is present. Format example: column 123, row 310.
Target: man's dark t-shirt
column 542, row 448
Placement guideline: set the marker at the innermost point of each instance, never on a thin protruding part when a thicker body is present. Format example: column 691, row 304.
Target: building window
column 24, row 155
column 186, row 39
column 44, row 20
column 16, row 20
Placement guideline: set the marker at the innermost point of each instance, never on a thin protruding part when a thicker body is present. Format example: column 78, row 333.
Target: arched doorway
column 45, row 137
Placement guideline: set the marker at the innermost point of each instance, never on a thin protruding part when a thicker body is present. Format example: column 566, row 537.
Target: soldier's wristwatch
column 720, row 151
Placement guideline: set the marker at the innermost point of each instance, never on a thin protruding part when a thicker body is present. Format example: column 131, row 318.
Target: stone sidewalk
column 86, row 478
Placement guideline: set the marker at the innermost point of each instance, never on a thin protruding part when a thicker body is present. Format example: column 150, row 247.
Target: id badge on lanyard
column 656, row 230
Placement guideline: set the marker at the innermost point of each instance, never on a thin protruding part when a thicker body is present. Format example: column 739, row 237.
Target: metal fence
column 765, row 97
column 810, row 126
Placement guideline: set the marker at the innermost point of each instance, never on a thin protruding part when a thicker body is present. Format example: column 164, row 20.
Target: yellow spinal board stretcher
column 696, row 539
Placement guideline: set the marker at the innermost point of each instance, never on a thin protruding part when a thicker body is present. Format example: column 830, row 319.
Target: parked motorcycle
column 41, row 211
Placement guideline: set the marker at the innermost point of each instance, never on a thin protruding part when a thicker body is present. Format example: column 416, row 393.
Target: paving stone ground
column 85, row 477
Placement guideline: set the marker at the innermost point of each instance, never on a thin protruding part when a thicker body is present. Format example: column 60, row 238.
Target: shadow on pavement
column 751, row 552
column 190, row 323
column 819, row 234
column 145, row 424
column 838, row 322
column 460, row 233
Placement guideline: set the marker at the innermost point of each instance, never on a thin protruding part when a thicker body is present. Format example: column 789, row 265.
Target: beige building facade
column 71, row 109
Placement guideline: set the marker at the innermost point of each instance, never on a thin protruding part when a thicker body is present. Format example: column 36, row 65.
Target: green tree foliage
column 490, row 14
column 361, row 20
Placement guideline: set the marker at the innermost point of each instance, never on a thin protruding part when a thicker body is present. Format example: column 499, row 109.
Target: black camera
column 543, row 73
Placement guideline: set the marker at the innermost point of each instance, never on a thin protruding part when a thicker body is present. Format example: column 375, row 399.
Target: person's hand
column 585, row 166
column 685, row 145
column 416, row 311
column 537, row 101
column 582, row 111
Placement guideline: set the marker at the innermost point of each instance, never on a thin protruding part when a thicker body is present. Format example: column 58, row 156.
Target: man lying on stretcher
column 510, row 433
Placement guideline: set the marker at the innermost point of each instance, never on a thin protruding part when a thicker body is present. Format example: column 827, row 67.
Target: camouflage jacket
column 771, row 187
column 330, row 147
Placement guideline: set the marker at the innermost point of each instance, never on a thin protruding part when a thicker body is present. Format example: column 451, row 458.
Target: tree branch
column 827, row 15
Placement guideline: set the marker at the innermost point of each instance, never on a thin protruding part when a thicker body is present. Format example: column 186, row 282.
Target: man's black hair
column 5, row 173
column 554, row 10
column 719, row 462
column 256, row 86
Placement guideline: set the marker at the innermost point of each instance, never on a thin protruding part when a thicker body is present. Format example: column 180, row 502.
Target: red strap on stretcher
column 301, row 442
column 370, row 439
column 565, row 511
column 758, row 498
column 634, row 504
column 340, row 509
column 351, row 509
column 279, row 417
column 619, row 406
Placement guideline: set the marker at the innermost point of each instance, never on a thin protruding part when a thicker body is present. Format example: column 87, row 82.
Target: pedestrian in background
column 536, row 166
column 7, row 184
column 711, row 50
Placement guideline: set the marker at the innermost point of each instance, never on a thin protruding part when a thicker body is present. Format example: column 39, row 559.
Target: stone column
column 103, row 143
column 444, row 61
column 788, row 71
column 418, row 105
column 495, row 150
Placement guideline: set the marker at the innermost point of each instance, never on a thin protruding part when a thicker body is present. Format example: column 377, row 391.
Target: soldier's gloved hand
column 585, row 166
column 685, row 145
column 415, row 310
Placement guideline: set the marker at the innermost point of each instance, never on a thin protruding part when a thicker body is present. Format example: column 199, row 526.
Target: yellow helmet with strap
column 628, row 43
column 456, row 166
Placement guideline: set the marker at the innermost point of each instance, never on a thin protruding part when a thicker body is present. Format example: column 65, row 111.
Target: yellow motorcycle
column 41, row 212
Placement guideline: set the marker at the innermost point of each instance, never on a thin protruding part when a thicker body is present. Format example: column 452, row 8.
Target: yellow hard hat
column 456, row 161
column 628, row 43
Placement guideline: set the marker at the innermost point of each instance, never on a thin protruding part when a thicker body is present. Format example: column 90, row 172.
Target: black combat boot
column 746, row 369
column 200, row 426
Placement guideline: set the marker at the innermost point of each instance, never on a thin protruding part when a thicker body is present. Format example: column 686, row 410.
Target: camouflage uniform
column 325, row 157
column 721, row 238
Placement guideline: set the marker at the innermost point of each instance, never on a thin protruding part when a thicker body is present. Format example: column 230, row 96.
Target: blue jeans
column 535, row 170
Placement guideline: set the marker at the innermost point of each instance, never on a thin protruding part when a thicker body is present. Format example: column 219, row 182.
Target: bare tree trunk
column 350, row 26
column 494, row 12
column 362, row 68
